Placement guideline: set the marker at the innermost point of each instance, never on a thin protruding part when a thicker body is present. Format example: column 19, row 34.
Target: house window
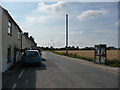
column 9, row 54
column 18, row 35
column 9, row 28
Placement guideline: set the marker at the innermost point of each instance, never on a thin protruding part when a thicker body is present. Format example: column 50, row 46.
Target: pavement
column 61, row 72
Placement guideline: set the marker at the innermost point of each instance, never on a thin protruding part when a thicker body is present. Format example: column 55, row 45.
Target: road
column 60, row 72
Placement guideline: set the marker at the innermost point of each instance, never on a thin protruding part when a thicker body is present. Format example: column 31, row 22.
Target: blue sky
column 90, row 23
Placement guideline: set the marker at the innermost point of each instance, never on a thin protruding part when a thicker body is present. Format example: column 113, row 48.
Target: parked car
column 31, row 57
column 39, row 50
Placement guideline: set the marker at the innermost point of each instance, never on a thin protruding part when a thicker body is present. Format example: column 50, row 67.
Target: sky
column 90, row 23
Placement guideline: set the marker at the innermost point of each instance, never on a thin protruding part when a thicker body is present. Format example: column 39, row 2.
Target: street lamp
column 53, row 43
column 48, row 45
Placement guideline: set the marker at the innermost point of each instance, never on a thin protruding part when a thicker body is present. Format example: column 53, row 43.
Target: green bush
column 113, row 63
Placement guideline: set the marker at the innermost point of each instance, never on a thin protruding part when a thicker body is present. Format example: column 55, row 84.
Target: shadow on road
column 36, row 66
column 23, row 76
column 43, row 59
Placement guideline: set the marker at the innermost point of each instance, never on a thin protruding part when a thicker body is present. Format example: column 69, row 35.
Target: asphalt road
column 59, row 72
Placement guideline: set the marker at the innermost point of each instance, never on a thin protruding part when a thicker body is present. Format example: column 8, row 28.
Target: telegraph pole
column 53, row 44
column 66, row 33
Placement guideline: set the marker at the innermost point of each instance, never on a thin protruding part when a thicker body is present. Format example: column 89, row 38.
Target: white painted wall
column 12, row 40
column 26, row 42
column 9, row 40
column 0, row 47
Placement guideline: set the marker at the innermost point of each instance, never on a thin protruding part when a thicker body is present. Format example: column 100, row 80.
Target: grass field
column 112, row 56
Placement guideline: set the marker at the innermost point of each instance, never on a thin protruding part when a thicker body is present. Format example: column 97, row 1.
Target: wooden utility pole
column 66, row 33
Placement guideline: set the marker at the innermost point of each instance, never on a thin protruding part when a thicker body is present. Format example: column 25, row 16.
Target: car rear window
column 32, row 53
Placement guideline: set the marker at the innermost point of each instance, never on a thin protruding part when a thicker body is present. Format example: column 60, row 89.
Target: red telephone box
column 100, row 53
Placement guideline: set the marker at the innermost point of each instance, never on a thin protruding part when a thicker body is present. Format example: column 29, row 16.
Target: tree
column 73, row 48
column 77, row 48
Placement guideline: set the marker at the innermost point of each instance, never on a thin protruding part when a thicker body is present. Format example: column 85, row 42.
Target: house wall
column 33, row 44
column 26, row 42
column 0, row 47
column 9, row 40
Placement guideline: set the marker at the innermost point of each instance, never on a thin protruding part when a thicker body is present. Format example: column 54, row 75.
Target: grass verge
column 74, row 56
column 108, row 62
column 112, row 63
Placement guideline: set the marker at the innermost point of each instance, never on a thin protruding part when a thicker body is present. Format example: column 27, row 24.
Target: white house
column 28, row 42
column 12, row 40
column 0, row 49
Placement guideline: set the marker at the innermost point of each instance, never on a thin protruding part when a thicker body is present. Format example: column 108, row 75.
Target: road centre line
column 14, row 85
column 21, row 73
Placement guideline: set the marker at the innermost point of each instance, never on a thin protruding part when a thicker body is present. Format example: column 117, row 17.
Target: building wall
column 33, row 44
column 9, row 40
column 26, row 42
column 0, row 37
column 0, row 47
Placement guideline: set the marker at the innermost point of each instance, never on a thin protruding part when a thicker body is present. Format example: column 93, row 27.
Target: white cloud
column 53, row 11
column 105, row 33
column 59, row 0
column 46, row 24
column 31, row 19
column 52, row 8
column 38, row 19
column 91, row 14
column 76, row 32
column 44, row 19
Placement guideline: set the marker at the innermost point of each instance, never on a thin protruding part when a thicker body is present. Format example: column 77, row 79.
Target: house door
column 14, row 55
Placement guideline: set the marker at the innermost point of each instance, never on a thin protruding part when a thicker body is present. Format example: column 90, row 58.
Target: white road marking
column 14, row 85
column 21, row 73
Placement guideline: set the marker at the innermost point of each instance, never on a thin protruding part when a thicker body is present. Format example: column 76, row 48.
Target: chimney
column 31, row 38
column 26, row 34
